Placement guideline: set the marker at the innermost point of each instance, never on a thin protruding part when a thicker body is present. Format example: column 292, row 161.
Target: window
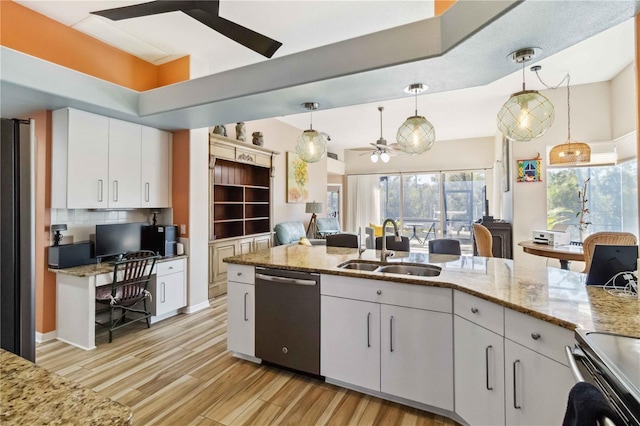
column 612, row 196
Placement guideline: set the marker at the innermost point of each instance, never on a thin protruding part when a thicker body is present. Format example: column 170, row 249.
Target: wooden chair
column 131, row 276
column 392, row 244
column 611, row 238
column 444, row 246
column 343, row 240
column 483, row 240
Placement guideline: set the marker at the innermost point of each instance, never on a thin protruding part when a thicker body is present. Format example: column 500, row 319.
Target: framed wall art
column 529, row 170
column 297, row 179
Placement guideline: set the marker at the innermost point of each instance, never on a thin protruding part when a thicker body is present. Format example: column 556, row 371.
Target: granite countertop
column 554, row 295
column 102, row 268
column 31, row 395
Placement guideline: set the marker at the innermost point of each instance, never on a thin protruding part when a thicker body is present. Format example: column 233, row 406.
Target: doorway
column 334, row 204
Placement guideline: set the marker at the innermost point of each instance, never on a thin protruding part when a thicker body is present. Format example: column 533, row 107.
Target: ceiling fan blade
column 145, row 9
column 246, row 37
column 362, row 149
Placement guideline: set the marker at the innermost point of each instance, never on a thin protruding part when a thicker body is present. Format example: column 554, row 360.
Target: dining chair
column 483, row 240
column 403, row 245
column 612, row 238
column 343, row 240
column 444, row 246
column 128, row 289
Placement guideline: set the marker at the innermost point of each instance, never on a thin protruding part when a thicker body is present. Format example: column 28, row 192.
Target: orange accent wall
column 441, row 6
column 27, row 31
column 180, row 178
column 45, row 297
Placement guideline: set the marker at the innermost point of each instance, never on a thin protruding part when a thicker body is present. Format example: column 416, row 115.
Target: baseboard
column 155, row 318
column 75, row 344
column 45, row 337
column 196, row 308
column 246, row 357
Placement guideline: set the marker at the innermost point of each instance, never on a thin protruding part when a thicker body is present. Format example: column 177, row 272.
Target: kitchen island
column 483, row 342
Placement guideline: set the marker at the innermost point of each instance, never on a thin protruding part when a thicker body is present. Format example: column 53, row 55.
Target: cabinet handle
column 245, row 306
column 164, row 293
column 391, row 333
column 474, row 310
column 486, row 354
column 146, row 192
column 368, row 333
column 535, row 336
column 100, row 185
column 115, row 190
column 379, row 292
column 515, row 385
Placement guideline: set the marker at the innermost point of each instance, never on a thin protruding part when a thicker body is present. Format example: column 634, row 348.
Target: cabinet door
column 124, row 164
column 350, row 341
column 245, row 245
column 170, row 293
column 536, row 387
column 479, row 373
column 417, row 355
column 262, row 243
column 87, row 160
column 155, row 167
column 241, row 319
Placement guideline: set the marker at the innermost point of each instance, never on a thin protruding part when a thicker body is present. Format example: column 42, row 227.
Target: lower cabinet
column 479, row 374
column 169, row 290
column 241, row 309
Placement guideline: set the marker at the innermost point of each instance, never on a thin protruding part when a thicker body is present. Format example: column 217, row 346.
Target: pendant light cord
column 311, row 120
column 416, row 101
column 566, row 78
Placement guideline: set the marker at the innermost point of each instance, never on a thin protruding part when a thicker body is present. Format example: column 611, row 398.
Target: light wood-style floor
column 179, row 372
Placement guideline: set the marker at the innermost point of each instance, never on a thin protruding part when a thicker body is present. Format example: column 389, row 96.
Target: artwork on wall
column 506, row 176
column 297, row 179
column 529, row 170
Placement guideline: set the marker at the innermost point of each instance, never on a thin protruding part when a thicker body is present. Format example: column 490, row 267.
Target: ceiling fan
column 205, row 11
column 381, row 150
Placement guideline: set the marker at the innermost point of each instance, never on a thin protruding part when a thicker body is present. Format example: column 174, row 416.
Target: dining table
column 565, row 253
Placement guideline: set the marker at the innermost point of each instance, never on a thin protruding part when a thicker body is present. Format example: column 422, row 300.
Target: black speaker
column 69, row 255
column 160, row 239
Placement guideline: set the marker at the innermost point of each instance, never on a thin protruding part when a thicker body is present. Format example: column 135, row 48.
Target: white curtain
column 363, row 203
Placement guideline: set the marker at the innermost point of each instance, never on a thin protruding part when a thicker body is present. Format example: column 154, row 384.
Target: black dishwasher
column 288, row 319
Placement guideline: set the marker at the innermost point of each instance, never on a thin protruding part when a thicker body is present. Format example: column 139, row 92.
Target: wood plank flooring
column 179, row 372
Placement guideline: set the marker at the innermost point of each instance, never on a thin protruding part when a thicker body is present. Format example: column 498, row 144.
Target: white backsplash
column 81, row 223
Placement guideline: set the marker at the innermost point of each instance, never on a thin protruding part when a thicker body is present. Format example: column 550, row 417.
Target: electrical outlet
column 183, row 229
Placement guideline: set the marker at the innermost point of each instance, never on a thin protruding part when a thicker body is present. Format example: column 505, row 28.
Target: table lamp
column 313, row 208
column 57, row 237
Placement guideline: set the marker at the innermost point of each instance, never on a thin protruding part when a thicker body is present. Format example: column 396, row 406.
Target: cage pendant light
column 416, row 135
column 569, row 152
column 311, row 145
column 527, row 114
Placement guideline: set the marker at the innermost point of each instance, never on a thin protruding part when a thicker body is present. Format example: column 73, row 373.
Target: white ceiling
column 456, row 111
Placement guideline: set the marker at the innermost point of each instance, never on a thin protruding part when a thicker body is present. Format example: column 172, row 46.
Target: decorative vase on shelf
column 257, row 138
column 241, row 131
column 220, row 130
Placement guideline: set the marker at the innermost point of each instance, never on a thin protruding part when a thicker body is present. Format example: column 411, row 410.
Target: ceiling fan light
column 374, row 157
column 525, row 116
column 384, row 156
column 311, row 146
column 416, row 135
column 570, row 152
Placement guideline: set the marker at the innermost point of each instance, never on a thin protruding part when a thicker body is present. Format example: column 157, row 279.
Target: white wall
column 623, row 102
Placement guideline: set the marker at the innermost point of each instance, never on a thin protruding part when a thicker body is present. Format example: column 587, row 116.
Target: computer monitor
column 117, row 238
column 609, row 260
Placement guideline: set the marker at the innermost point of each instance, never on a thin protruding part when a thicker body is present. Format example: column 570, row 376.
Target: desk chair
column 392, row 244
column 444, row 246
column 611, row 238
column 483, row 240
column 343, row 240
column 131, row 276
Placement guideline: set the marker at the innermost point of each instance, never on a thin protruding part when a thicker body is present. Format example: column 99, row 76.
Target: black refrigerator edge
column 17, row 237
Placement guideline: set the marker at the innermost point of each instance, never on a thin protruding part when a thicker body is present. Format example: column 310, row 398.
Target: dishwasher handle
column 285, row 280
column 573, row 365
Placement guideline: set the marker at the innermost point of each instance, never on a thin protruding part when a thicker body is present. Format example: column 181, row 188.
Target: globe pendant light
column 527, row 114
column 416, row 135
column 311, row 145
column 569, row 152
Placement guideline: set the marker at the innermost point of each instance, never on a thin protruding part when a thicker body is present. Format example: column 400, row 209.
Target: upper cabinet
column 100, row 162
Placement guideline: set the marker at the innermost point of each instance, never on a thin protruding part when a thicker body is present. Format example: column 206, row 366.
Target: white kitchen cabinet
column 350, row 341
column 169, row 290
column 155, row 173
column 417, row 355
column 124, row 164
column 241, row 309
column 479, row 373
column 80, row 170
column 536, row 387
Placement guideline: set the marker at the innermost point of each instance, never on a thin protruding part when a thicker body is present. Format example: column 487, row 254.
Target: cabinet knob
column 170, row 267
column 474, row 310
column 285, row 350
column 379, row 292
column 535, row 336
column 239, row 273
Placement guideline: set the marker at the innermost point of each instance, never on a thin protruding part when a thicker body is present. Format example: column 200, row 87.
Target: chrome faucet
column 384, row 253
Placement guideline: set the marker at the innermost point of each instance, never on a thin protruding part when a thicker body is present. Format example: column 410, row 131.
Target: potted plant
column 583, row 213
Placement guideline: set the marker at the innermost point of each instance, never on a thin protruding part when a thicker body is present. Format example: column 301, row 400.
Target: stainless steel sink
column 420, row 271
column 360, row 266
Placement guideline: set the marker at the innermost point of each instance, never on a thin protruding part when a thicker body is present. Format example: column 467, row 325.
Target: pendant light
column 416, row 135
column 569, row 152
column 312, row 145
column 527, row 114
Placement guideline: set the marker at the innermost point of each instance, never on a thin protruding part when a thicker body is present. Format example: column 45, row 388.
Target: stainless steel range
column 612, row 363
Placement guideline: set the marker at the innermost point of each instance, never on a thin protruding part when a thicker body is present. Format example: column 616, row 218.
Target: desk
column 564, row 253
